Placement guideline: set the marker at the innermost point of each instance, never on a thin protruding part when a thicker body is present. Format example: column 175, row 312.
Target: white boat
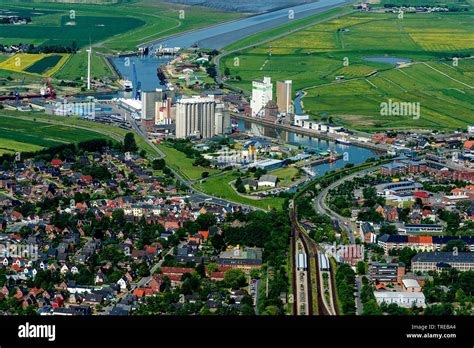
column 127, row 85
column 343, row 141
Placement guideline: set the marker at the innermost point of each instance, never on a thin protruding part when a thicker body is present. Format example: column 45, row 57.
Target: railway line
column 302, row 240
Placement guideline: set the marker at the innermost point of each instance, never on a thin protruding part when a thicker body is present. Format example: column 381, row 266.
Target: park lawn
column 315, row 55
column 29, row 135
column 219, row 186
column 178, row 161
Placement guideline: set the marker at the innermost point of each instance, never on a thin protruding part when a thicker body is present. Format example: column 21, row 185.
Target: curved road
column 322, row 208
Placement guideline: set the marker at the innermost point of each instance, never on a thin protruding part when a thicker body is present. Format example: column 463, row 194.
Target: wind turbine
column 89, row 54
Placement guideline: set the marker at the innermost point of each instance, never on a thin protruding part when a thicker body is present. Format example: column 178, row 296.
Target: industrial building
column 262, row 93
column 149, row 101
column 222, row 120
column 283, row 94
column 201, row 117
column 268, row 164
column 165, row 113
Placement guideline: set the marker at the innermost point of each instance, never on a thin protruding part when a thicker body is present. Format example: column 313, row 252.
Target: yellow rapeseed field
column 21, row 61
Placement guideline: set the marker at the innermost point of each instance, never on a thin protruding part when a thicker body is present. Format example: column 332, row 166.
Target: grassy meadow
column 315, row 55
column 32, row 135
column 219, row 186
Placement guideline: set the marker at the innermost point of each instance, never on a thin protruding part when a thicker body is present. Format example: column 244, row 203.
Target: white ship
column 344, row 141
column 127, row 85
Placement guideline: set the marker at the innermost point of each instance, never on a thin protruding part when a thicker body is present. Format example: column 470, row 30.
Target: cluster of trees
column 403, row 255
column 269, row 231
column 342, row 198
column 60, row 151
column 370, row 215
column 265, row 230
column 172, row 301
column 32, row 49
column 388, row 229
column 14, row 19
column 345, row 278
column 239, row 185
column 129, row 143
column 452, row 219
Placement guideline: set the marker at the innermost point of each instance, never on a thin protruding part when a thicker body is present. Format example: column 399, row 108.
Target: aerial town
column 187, row 180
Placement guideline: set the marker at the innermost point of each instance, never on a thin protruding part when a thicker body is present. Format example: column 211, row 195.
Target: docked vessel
column 343, row 141
column 126, row 85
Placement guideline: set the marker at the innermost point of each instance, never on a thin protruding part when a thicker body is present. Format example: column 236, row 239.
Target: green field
column 62, row 30
column 178, row 161
column 219, row 186
column 28, row 135
column 76, row 66
column 315, row 55
column 96, row 130
column 284, row 29
column 111, row 27
column 285, row 175
column 44, row 64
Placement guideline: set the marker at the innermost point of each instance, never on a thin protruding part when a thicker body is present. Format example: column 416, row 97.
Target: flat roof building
column 437, row 261
column 401, row 298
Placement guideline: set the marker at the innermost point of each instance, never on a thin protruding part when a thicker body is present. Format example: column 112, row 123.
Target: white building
column 262, row 93
column 401, row 298
column 300, row 120
column 200, row 116
column 268, row 180
column 470, row 129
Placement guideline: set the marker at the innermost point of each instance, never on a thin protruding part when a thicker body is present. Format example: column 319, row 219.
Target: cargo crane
column 136, row 84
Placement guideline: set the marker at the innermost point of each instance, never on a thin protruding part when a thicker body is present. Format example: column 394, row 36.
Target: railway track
column 296, row 233
column 311, row 250
column 322, row 310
